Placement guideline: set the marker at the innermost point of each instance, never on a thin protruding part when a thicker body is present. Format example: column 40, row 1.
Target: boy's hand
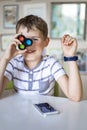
column 69, row 45
column 12, row 50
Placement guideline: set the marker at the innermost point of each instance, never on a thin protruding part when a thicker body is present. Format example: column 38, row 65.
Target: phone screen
column 45, row 108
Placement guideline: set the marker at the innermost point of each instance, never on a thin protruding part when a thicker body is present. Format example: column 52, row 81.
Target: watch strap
column 73, row 58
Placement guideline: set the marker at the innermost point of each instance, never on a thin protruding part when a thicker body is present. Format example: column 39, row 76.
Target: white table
column 18, row 113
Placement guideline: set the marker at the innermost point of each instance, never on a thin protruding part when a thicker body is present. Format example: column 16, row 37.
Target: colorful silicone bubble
column 25, row 42
column 28, row 42
column 21, row 46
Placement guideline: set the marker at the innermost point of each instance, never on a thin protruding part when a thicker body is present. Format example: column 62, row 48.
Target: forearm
column 75, row 83
column 3, row 63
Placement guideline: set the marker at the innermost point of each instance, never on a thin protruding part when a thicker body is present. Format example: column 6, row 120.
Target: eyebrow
column 35, row 37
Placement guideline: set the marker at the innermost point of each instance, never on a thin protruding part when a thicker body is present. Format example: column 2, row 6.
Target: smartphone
column 46, row 109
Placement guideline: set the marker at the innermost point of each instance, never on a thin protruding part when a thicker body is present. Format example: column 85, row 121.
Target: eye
column 35, row 39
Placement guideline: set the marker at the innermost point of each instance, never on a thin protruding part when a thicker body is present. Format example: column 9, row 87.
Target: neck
column 32, row 64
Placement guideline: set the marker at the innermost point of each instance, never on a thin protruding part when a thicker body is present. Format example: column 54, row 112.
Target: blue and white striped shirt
column 39, row 80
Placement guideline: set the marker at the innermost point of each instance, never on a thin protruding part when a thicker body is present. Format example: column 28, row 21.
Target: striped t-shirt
column 39, row 80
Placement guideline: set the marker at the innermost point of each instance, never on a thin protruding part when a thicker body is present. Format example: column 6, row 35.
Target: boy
column 36, row 74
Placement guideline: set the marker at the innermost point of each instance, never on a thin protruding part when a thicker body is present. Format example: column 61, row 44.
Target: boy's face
column 34, row 52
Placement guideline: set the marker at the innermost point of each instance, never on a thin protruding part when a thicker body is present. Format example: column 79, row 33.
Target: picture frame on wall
column 10, row 16
column 6, row 40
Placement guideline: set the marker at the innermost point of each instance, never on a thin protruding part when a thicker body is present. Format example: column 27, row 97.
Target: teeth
column 30, row 51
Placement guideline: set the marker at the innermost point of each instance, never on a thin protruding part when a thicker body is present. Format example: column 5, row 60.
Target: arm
column 10, row 53
column 3, row 80
column 72, row 84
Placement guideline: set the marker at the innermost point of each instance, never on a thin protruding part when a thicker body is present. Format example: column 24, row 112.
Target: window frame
column 85, row 22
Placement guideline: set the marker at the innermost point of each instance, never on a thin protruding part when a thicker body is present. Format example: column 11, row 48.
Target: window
column 68, row 18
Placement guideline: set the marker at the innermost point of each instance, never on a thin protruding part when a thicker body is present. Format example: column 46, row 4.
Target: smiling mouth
column 30, row 51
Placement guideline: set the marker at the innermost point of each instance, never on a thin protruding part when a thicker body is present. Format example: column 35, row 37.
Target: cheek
column 41, row 45
column 38, row 46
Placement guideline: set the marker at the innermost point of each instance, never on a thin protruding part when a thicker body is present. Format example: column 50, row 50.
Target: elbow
column 79, row 98
column 76, row 98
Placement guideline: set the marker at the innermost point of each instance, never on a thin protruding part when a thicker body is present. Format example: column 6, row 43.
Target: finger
column 65, row 38
column 16, row 41
column 16, row 35
column 22, row 51
column 69, row 40
column 72, row 40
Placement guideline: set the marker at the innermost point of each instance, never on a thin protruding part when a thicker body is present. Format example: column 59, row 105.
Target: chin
column 29, row 58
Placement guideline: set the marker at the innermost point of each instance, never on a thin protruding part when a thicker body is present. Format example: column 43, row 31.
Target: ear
column 46, row 42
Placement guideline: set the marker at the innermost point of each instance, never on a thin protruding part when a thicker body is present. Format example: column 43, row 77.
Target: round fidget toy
column 25, row 42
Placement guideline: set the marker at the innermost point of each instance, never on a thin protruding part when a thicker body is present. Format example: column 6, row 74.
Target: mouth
column 30, row 51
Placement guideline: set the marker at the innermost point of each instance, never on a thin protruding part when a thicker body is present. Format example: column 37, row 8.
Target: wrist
column 70, row 58
column 6, row 58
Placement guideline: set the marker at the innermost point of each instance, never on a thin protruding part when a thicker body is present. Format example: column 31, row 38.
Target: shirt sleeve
column 9, row 70
column 57, row 69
